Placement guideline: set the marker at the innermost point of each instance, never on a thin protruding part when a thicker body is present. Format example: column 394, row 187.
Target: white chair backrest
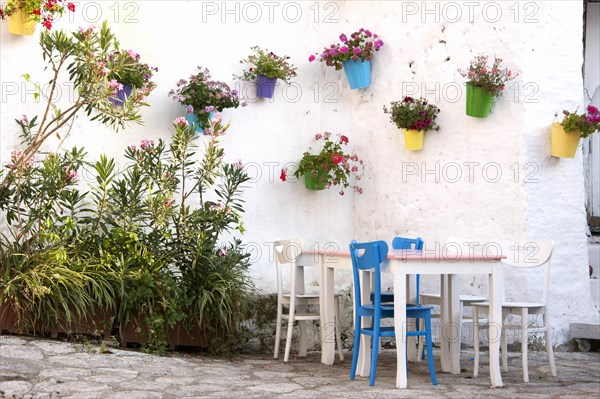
column 287, row 253
column 530, row 254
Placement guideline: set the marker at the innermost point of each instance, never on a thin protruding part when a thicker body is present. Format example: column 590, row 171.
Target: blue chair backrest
column 410, row 243
column 368, row 256
column 407, row 243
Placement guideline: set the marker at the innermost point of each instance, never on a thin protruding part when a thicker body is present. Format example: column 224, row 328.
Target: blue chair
column 373, row 253
column 405, row 243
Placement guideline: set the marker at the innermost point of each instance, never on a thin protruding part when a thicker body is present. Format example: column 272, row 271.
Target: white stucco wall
column 425, row 44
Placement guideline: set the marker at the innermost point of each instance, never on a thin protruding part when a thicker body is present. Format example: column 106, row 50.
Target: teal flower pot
column 358, row 73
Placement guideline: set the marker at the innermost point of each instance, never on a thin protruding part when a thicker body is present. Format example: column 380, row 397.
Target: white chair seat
column 462, row 298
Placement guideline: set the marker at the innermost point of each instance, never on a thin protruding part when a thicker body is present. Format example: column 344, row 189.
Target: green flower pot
column 315, row 182
column 479, row 102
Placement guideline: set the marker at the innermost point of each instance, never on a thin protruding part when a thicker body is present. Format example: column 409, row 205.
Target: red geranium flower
column 283, row 175
column 36, row 12
column 336, row 158
column 71, row 7
column 343, row 140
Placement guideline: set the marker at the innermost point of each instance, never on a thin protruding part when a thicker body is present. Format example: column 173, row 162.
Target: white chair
column 458, row 244
column 524, row 255
column 297, row 302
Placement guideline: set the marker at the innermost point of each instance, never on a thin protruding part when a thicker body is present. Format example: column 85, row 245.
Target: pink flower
column 71, row 176
column 147, row 144
column 356, row 50
column 336, row 158
column 169, row 203
column 318, row 136
column 343, row 139
column 311, row 58
column 343, row 38
column 181, row 122
column 344, row 50
column 222, row 252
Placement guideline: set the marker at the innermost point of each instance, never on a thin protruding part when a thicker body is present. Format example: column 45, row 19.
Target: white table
column 401, row 264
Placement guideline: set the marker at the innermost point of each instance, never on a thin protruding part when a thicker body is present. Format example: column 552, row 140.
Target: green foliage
column 202, row 95
column 582, row 124
column 265, row 62
column 332, row 165
column 415, row 114
column 491, row 79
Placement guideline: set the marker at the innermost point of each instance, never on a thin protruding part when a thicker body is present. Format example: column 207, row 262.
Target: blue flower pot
column 265, row 87
column 358, row 73
column 121, row 95
column 192, row 119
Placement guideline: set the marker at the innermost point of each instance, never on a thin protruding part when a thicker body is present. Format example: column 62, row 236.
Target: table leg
column 495, row 323
column 400, row 327
column 411, row 297
column 445, row 357
column 327, row 296
column 363, row 367
column 452, row 330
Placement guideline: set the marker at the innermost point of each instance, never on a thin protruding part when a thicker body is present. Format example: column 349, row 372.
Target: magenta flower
column 311, row 58
column 343, row 38
column 344, row 50
column 356, row 50
column 189, row 109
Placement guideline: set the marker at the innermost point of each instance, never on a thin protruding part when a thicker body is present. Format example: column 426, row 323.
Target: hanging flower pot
column 564, row 144
column 358, row 73
column 265, row 87
column 21, row 23
column 192, row 119
column 479, row 101
column 413, row 139
column 415, row 116
column 123, row 92
column 315, row 180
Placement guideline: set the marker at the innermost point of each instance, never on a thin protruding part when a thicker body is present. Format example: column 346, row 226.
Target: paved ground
column 37, row 368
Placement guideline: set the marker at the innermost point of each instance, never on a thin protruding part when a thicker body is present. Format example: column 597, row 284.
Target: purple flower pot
column 121, row 95
column 265, row 86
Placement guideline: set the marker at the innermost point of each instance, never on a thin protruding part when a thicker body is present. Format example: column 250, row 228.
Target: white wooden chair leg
column 338, row 330
column 549, row 349
column 278, row 331
column 524, row 320
column 475, row 341
column 504, row 348
column 288, row 340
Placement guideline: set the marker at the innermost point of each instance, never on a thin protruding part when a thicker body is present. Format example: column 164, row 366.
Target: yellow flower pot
column 564, row 144
column 413, row 139
column 21, row 24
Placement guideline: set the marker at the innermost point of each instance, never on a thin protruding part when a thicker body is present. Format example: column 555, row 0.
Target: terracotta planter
column 178, row 335
column 99, row 323
column 564, row 144
column 8, row 316
column 21, row 24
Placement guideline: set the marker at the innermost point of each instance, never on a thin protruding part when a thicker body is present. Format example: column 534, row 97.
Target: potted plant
column 203, row 96
column 23, row 15
column 484, row 84
column 566, row 134
column 331, row 167
column 128, row 75
column 415, row 116
column 354, row 54
column 266, row 68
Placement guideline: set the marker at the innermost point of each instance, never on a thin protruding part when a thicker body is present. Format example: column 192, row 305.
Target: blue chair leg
column 429, row 351
column 374, row 354
column 356, row 348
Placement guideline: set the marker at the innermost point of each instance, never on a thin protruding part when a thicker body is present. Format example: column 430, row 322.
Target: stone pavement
column 38, row 368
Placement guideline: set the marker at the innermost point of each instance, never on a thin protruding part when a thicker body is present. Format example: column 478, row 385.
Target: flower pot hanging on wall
column 564, row 144
column 192, row 119
column 413, row 139
column 21, row 24
column 265, row 87
column 479, row 102
column 358, row 73
column 315, row 180
column 122, row 93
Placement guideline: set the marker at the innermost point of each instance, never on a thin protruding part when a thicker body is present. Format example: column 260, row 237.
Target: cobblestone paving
column 35, row 368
